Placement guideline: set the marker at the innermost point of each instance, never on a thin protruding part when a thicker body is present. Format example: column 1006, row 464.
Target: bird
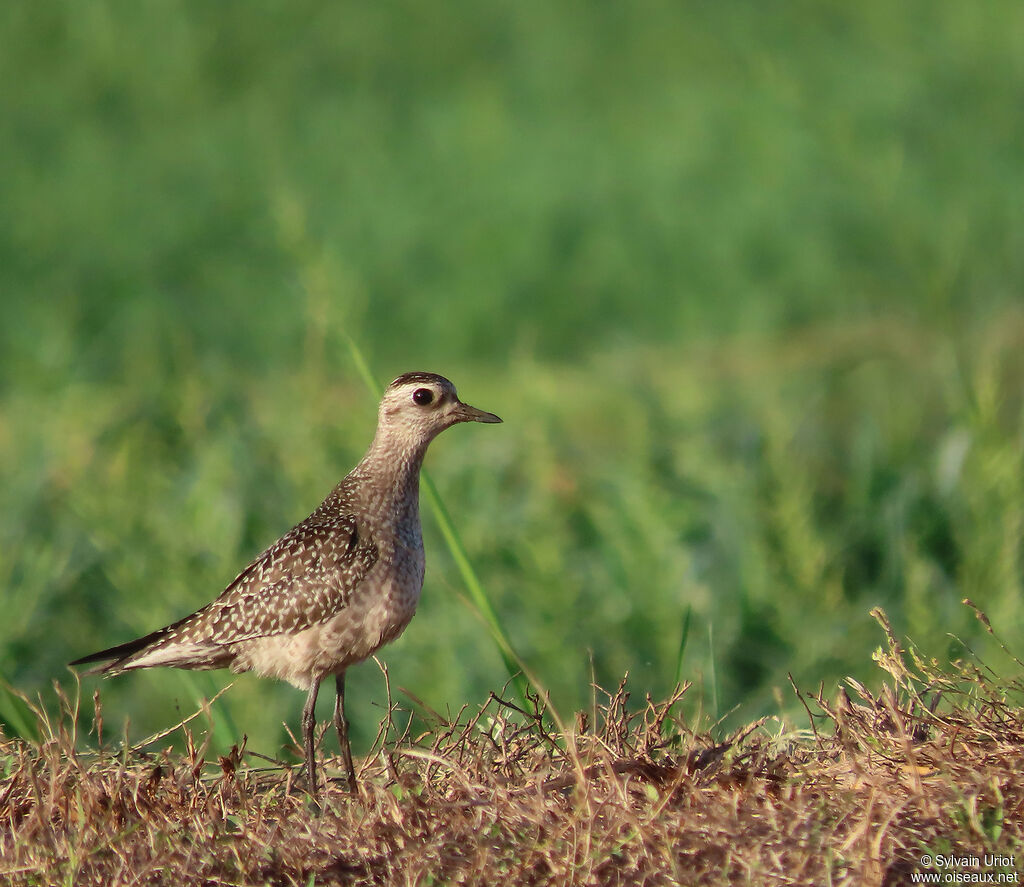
column 333, row 589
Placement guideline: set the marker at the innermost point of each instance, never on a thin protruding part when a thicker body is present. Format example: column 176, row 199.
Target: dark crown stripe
column 421, row 378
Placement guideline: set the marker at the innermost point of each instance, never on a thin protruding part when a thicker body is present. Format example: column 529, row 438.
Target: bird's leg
column 341, row 725
column 309, row 732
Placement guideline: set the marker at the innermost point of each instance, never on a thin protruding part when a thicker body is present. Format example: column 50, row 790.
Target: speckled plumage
column 335, row 587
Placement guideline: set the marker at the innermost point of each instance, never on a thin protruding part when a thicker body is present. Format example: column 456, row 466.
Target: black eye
column 422, row 396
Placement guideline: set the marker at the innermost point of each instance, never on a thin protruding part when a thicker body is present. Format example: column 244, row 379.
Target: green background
column 743, row 279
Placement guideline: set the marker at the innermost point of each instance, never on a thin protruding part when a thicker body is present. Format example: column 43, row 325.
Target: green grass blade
column 203, row 694
column 683, row 637
column 16, row 714
column 362, row 367
column 477, row 595
column 294, row 237
column 712, row 675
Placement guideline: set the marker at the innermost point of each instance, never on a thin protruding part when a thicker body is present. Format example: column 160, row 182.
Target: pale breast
column 378, row 612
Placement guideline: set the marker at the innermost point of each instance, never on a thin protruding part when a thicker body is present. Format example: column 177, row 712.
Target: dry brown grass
column 930, row 762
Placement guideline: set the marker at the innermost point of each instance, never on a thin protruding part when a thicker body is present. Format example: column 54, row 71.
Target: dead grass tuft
column 930, row 762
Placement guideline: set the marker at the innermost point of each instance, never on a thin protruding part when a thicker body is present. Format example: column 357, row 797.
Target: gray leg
column 341, row 725
column 309, row 731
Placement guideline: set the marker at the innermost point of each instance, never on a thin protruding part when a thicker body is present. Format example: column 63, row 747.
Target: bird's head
column 419, row 406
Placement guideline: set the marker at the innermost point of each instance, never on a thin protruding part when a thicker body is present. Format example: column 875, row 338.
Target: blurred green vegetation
column 744, row 281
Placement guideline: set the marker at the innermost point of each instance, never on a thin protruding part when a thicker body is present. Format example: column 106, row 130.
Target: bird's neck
column 392, row 466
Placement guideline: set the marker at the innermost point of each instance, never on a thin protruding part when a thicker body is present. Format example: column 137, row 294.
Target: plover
column 335, row 587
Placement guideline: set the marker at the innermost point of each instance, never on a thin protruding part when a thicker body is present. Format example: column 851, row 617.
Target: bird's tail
column 119, row 654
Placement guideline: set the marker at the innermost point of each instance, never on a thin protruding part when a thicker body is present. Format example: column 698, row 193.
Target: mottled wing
column 304, row 578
